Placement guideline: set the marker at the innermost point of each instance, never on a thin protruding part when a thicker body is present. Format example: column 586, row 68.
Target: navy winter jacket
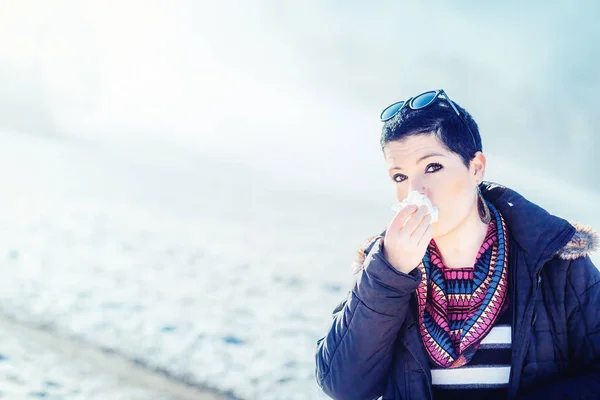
column 374, row 348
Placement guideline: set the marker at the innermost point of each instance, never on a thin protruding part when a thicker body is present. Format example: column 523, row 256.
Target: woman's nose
column 418, row 186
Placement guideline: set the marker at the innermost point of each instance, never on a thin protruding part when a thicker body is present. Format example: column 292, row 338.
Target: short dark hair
column 440, row 120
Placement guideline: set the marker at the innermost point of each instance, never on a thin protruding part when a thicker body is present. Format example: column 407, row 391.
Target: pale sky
column 296, row 87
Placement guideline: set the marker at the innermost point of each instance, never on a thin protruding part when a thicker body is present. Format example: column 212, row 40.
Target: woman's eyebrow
column 429, row 155
column 423, row 158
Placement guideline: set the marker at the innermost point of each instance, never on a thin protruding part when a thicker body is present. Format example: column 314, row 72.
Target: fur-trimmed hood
column 583, row 243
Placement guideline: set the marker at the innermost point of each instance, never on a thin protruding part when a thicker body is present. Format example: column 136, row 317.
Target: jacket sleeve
column 353, row 360
column 583, row 329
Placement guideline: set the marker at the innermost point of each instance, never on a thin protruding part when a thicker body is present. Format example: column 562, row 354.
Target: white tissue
column 418, row 199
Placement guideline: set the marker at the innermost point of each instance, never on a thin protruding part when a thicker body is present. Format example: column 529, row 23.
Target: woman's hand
column 407, row 238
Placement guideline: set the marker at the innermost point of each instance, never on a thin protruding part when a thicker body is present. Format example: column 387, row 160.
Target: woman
column 497, row 299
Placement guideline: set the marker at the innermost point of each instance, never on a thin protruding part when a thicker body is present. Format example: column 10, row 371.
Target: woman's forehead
column 414, row 148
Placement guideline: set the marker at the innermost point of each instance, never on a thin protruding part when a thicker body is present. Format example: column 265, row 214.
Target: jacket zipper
column 429, row 383
column 530, row 316
column 410, row 349
column 513, row 388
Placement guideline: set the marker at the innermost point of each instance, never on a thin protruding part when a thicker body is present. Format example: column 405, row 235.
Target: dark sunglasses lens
column 422, row 100
column 391, row 111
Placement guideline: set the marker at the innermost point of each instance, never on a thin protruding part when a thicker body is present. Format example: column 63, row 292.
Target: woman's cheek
column 457, row 188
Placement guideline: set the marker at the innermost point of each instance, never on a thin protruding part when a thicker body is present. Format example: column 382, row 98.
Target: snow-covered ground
column 37, row 364
column 207, row 272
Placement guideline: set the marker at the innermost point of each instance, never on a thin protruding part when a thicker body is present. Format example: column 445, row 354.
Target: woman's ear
column 478, row 167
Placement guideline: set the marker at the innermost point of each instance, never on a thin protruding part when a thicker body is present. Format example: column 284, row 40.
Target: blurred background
column 185, row 183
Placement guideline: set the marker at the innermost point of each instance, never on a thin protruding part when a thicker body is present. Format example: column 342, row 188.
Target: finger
column 421, row 228
column 427, row 236
column 415, row 220
column 402, row 216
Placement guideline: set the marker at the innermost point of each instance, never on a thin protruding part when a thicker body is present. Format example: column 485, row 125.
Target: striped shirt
column 486, row 375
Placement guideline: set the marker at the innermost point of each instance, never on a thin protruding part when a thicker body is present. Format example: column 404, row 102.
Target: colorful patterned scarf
column 474, row 301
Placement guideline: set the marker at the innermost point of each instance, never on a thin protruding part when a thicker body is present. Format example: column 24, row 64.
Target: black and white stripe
column 486, row 375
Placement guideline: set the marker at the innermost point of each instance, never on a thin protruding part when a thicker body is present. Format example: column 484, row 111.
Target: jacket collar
column 540, row 234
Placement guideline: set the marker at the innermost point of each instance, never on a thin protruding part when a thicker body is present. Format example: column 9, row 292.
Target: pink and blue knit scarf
column 458, row 308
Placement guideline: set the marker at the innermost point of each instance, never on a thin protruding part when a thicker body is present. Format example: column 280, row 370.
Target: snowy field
column 209, row 273
column 38, row 364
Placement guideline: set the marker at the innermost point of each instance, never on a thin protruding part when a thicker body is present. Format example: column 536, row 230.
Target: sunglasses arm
column 450, row 101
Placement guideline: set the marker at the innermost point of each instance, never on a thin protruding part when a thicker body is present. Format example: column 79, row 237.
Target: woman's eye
column 398, row 178
column 433, row 168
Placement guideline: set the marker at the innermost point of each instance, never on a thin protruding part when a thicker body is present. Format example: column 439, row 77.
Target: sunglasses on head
column 421, row 101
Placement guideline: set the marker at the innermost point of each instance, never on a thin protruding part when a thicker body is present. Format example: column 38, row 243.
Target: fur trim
column 583, row 243
column 361, row 254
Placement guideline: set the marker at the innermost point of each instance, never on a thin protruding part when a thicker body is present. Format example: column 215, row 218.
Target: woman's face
column 424, row 164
